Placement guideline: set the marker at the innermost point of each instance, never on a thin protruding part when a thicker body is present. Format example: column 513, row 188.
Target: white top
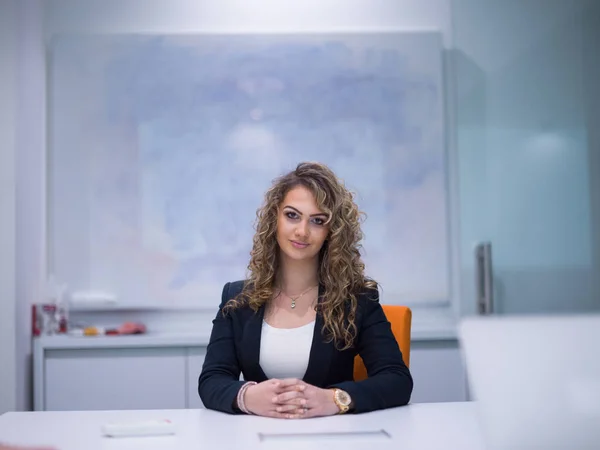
column 425, row 426
column 284, row 352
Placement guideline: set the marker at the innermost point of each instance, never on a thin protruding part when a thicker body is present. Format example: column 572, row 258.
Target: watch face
column 343, row 398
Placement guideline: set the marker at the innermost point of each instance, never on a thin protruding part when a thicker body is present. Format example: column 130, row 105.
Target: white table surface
column 420, row 426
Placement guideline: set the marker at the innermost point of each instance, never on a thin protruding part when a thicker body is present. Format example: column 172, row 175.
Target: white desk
column 425, row 426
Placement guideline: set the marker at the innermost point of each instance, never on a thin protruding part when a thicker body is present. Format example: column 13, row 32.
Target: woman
column 295, row 326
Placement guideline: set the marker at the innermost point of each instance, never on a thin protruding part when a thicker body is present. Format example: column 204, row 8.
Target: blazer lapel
column 251, row 346
column 321, row 353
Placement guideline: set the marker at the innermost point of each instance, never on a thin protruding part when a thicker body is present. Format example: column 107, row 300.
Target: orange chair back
column 400, row 317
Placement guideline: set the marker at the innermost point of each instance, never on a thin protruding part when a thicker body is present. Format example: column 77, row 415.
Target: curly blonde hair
column 341, row 269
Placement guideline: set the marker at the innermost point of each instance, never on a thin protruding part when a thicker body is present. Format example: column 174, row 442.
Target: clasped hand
column 289, row 399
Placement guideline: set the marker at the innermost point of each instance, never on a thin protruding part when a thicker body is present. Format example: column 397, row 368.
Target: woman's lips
column 299, row 245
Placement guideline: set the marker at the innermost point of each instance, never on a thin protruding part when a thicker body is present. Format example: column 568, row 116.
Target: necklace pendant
column 293, row 304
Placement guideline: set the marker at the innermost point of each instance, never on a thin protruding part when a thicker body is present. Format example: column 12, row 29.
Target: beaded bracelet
column 240, row 397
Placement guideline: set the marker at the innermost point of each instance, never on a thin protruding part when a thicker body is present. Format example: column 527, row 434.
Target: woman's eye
column 319, row 221
column 291, row 215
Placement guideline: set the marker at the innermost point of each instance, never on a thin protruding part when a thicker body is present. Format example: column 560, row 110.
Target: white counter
column 188, row 339
column 123, row 372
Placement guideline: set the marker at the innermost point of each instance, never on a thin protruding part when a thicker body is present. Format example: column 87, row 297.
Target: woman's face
column 301, row 229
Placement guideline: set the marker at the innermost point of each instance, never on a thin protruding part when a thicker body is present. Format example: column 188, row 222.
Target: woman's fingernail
column 274, row 400
column 303, row 402
column 279, row 409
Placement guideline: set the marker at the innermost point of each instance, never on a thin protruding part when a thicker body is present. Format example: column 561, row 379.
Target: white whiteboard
column 162, row 146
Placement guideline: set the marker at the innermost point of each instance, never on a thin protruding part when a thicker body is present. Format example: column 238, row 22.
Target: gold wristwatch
column 342, row 399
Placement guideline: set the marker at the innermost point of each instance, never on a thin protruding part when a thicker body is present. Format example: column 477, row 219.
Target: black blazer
column 234, row 348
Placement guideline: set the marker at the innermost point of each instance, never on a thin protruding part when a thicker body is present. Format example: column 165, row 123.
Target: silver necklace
column 293, row 299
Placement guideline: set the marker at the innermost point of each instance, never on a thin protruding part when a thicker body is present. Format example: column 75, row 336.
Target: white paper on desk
column 370, row 435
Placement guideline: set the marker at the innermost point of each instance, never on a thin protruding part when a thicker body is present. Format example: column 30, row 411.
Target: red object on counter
column 132, row 328
column 35, row 321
